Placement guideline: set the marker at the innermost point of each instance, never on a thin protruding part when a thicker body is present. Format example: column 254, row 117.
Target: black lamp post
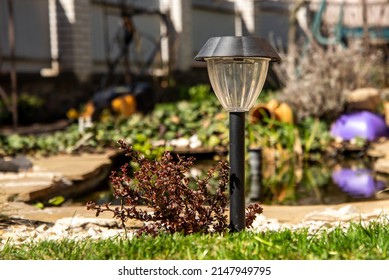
column 237, row 68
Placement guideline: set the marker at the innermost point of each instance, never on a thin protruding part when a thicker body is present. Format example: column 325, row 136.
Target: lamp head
column 237, row 68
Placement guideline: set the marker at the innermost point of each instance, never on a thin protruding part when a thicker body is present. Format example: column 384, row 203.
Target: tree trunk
column 366, row 37
column 292, row 34
column 11, row 38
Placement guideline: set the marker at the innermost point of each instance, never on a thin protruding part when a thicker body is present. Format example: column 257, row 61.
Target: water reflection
column 319, row 183
column 298, row 183
column 295, row 183
column 357, row 182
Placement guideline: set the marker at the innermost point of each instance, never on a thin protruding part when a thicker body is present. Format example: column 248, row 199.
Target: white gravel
column 79, row 228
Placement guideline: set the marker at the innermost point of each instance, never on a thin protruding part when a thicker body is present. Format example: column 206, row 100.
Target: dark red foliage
column 251, row 213
column 163, row 186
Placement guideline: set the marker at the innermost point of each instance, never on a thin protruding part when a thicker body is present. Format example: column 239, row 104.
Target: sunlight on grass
column 357, row 242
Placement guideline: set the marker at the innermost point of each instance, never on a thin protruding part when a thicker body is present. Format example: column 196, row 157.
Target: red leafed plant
column 163, row 186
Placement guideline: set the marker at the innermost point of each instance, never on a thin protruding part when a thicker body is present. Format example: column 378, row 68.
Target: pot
column 272, row 110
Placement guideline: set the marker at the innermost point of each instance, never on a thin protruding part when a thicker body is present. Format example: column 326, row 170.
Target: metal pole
column 255, row 159
column 237, row 178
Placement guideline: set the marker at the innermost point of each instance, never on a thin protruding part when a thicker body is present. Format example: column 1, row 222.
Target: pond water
column 318, row 183
column 290, row 183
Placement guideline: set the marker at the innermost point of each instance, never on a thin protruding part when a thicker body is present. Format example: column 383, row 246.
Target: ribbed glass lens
column 237, row 82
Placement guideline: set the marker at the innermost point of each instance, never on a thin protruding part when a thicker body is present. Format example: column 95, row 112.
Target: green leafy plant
column 164, row 187
column 54, row 201
column 201, row 93
column 152, row 134
column 311, row 135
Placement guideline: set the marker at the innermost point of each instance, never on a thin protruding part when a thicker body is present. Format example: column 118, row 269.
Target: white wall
column 32, row 39
column 272, row 20
column 210, row 23
column 81, row 31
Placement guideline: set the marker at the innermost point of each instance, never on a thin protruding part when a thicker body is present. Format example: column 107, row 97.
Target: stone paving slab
column 74, row 167
column 283, row 214
column 380, row 150
column 30, row 224
column 60, row 175
column 295, row 214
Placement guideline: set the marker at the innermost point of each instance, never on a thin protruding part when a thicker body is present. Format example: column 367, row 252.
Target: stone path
column 21, row 231
column 380, row 150
column 30, row 224
column 52, row 176
column 60, row 175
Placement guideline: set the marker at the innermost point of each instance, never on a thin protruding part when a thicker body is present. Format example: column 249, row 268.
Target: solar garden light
column 237, row 68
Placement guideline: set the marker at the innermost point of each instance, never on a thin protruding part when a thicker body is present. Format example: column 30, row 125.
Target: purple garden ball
column 362, row 124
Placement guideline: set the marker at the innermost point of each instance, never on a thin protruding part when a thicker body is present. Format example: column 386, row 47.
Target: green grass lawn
column 358, row 242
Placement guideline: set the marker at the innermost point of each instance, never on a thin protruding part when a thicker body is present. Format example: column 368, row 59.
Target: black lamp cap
column 237, row 46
